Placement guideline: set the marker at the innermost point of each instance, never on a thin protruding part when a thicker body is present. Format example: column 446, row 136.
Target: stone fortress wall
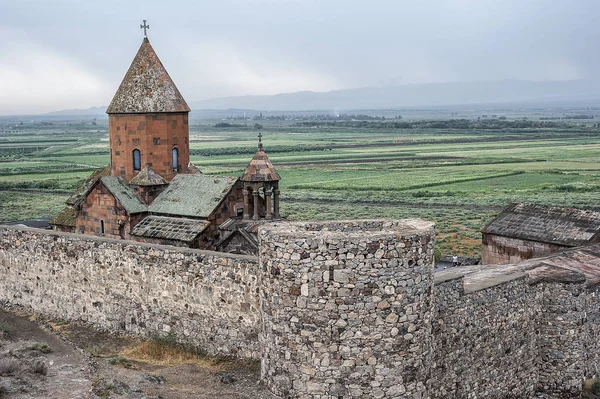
column 332, row 309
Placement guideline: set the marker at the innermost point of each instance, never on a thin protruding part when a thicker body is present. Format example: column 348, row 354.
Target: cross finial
column 144, row 27
column 259, row 140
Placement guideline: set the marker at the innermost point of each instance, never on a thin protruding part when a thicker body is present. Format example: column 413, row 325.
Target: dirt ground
column 54, row 360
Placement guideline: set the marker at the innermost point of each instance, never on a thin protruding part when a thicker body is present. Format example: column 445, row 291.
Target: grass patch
column 44, row 348
column 166, row 351
column 120, row 361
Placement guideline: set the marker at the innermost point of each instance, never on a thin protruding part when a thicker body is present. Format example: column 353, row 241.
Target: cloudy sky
column 62, row 54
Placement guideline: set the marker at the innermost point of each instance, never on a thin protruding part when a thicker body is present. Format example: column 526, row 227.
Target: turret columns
column 276, row 203
column 268, row 194
column 246, row 204
column 255, row 198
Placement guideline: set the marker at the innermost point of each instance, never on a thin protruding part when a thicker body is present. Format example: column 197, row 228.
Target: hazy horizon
column 70, row 54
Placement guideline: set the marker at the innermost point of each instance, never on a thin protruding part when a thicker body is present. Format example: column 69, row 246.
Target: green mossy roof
column 66, row 217
column 82, row 191
column 125, row 194
column 192, row 195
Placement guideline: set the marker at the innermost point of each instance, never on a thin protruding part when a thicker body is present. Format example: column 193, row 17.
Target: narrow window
column 102, row 227
column 175, row 154
column 137, row 160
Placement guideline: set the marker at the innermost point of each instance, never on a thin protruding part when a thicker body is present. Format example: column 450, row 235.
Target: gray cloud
column 73, row 53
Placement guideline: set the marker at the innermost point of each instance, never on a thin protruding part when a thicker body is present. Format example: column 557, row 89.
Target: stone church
column 151, row 192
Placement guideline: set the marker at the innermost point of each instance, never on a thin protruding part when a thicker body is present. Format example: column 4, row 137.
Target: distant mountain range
column 500, row 93
column 79, row 112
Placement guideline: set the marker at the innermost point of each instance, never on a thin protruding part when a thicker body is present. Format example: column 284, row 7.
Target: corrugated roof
column 147, row 87
column 66, row 217
column 125, row 194
column 260, row 169
column 148, row 177
column 168, row 228
column 550, row 224
column 192, row 195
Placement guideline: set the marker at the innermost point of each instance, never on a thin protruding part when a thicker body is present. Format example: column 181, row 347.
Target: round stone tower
column 347, row 308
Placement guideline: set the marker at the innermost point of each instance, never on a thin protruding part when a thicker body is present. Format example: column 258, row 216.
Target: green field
column 458, row 177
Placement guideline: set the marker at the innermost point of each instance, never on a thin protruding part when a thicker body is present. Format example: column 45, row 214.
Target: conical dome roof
column 148, row 177
column 147, row 87
column 260, row 169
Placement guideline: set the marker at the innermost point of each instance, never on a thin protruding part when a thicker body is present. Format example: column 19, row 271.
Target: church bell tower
column 148, row 120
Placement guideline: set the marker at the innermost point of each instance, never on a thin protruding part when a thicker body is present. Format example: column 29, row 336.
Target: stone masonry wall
column 500, row 250
column 333, row 309
column 485, row 342
column 516, row 339
column 207, row 299
column 347, row 308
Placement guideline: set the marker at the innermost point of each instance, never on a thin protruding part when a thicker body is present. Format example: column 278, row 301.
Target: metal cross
column 144, row 27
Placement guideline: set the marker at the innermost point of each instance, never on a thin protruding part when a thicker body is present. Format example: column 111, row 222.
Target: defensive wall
column 332, row 309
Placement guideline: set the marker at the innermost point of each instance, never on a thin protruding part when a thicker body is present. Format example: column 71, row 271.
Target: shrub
column 39, row 367
column 596, row 387
column 120, row 361
column 9, row 366
column 44, row 348
column 6, row 328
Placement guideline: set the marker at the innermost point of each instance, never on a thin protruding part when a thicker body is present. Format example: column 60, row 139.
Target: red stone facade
column 155, row 135
column 231, row 206
column 500, row 250
column 101, row 210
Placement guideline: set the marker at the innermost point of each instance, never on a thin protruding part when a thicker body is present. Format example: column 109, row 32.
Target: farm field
column 458, row 177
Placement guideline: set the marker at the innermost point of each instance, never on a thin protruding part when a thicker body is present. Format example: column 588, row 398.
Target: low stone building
column 151, row 192
column 526, row 231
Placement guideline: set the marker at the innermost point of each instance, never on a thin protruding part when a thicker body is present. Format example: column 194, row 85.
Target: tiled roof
column 147, row 87
column 66, row 217
column 556, row 225
column 168, row 228
column 85, row 187
column 148, row 177
column 192, row 195
column 125, row 194
column 260, row 169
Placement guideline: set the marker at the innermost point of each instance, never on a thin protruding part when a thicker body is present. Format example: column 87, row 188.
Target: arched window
column 175, row 158
column 102, row 227
column 137, row 160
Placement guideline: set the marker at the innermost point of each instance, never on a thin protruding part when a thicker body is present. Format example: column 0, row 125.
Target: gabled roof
column 123, row 193
column 85, row 187
column 148, row 177
column 168, row 228
column 549, row 224
column 147, row 87
column 66, row 217
column 260, row 169
column 192, row 195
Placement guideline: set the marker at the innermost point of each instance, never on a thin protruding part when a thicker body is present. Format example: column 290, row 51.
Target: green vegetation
column 459, row 173
column 596, row 387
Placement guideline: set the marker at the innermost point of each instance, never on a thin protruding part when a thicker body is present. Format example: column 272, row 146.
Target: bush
column 39, row 367
column 120, row 361
column 9, row 366
column 44, row 348
column 596, row 387
column 6, row 328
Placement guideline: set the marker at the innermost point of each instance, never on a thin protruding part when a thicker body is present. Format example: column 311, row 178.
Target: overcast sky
column 60, row 54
